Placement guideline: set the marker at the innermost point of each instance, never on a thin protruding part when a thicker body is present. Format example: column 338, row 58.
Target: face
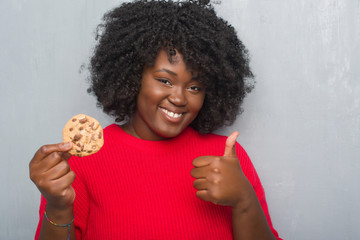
column 168, row 101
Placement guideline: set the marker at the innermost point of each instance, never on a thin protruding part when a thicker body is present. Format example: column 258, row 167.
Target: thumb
column 45, row 150
column 230, row 144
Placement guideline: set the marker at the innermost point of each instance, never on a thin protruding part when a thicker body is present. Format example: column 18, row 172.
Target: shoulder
column 215, row 143
column 213, row 138
column 112, row 129
column 206, row 138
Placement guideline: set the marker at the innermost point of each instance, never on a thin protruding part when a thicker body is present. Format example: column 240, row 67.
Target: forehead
column 174, row 63
column 163, row 58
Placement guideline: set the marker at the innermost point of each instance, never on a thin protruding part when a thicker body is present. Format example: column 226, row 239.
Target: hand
column 51, row 173
column 220, row 179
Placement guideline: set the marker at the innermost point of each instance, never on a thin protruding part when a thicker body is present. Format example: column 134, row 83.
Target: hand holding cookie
column 49, row 168
column 51, row 173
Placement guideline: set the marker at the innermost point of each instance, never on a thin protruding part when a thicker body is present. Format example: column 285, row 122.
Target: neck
column 130, row 129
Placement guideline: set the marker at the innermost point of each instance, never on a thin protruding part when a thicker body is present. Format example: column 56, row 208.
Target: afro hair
column 130, row 38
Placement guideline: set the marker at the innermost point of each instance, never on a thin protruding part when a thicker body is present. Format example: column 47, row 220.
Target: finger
column 48, row 149
column 50, row 161
column 65, row 181
column 58, row 171
column 202, row 161
column 201, row 184
column 39, row 167
column 230, row 144
column 198, row 173
column 62, row 187
column 65, row 155
column 204, row 172
column 203, row 195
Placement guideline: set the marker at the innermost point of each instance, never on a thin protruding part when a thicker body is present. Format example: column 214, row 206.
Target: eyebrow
column 166, row 70
column 194, row 78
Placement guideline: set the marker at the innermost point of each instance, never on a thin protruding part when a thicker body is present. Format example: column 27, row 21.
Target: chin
column 170, row 133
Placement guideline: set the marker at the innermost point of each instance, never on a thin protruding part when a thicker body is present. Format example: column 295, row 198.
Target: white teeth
column 171, row 114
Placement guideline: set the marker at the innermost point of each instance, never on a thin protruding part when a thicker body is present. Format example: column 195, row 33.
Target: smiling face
column 168, row 101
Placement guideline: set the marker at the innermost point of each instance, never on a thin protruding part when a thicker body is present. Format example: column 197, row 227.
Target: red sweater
column 138, row 189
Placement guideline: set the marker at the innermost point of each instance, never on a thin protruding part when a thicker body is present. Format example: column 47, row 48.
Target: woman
column 170, row 73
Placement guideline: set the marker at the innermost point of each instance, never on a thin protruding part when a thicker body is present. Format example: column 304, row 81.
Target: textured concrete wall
column 301, row 124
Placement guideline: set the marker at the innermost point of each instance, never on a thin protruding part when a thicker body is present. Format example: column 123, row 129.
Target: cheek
column 197, row 103
column 149, row 98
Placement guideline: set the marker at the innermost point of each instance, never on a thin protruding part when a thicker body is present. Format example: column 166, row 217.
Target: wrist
column 60, row 216
column 246, row 203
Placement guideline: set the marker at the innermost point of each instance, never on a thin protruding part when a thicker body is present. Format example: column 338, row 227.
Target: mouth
column 171, row 115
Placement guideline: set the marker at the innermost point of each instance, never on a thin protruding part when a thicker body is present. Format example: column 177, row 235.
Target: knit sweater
column 138, row 189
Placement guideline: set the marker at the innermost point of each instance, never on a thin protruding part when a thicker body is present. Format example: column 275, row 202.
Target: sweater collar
column 163, row 145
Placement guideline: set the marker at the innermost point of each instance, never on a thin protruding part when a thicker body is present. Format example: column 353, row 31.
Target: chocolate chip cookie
column 85, row 133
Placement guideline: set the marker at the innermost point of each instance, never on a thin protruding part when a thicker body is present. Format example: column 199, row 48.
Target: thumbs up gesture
column 220, row 179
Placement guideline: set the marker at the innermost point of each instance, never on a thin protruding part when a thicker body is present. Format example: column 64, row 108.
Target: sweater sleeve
column 252, row 176
column 41, row 216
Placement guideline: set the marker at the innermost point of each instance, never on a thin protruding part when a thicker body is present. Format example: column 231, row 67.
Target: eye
column 164, row 81
column 195, row 89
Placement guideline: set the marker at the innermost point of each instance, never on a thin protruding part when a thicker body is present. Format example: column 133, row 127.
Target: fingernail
column 67, row 144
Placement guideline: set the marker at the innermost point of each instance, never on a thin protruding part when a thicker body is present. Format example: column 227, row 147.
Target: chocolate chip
column 94, row 126
column 77, row 137
column 83, row 120
column 80, row 145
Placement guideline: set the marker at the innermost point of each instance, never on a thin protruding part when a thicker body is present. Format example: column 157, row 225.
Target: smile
column 171, row 114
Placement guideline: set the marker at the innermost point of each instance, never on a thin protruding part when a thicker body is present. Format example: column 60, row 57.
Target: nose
column 177, row 97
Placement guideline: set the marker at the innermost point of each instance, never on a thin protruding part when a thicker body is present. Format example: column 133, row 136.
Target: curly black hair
column 131, row 37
